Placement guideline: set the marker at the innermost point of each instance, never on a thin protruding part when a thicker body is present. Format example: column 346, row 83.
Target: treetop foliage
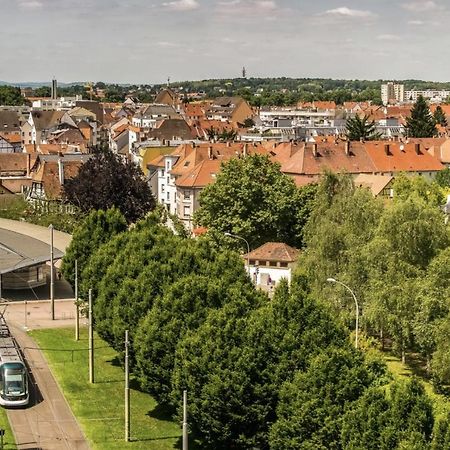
column 421, row 123
column 105, row 181
column 253, row 199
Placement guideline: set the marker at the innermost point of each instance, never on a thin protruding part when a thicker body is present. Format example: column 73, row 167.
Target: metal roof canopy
column 19, row 250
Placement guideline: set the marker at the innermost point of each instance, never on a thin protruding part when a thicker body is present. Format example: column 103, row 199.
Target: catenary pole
column 91, row 340
column 127, row 390
column 185, row 423
column 77, row 308
column 52, row 275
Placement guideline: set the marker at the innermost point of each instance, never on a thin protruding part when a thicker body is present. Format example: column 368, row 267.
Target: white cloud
column 388, row 37
column 31, row 4
column 182, row 5
column 416, row 22
column 246, row 7
column 343, row 11
column 421, row 6
column 166, row 44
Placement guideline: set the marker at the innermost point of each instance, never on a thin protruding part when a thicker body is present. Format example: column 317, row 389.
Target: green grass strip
column 99, row 408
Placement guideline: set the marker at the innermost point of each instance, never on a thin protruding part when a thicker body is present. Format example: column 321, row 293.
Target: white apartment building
column 392, row 93
column 432, row 95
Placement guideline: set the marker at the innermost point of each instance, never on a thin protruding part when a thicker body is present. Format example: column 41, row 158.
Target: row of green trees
column 260, row 373
column 395, row 256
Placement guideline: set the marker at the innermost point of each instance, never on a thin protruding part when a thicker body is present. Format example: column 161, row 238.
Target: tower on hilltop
column 244, row 73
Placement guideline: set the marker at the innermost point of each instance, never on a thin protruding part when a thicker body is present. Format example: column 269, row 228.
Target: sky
column 147, row 41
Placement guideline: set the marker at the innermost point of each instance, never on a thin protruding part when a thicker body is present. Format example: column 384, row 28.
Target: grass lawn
column 8, row 439
column 441, row 403
column 99, row 408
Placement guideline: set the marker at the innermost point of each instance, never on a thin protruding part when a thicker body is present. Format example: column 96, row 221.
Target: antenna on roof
column 168, row 81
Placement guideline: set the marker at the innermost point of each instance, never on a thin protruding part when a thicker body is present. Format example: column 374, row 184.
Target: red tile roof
column 274, row 251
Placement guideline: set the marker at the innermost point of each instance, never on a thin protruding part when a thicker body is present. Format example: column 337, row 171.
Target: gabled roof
column 376, row 183
column 203, row 174
column 9, row 121
column 274, row 251
column 43, row 120
column 172, row 128
column 11, row 138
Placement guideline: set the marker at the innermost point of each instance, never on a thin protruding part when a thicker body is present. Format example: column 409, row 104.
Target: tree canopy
column 105, row 181
column 253, row 199
column 361, row 128
column 421, row 123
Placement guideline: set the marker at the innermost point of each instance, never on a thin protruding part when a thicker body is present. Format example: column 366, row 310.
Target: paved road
column 48, row 423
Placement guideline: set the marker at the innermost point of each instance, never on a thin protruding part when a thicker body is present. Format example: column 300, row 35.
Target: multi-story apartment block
column 434, row 96
column 392, row 93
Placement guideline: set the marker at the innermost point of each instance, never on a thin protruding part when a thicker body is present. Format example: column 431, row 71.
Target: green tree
column 443, row 178
column 11, row 96
column 361, row 128
column 421, row 123
column 439, row 117
column 105, row 181
column 253, row 199
column 405, row 186
column 96, row 229
column 311, row 406
column 237, row 361
column 403, row 420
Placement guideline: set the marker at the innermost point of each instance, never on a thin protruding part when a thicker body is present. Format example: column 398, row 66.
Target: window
column 187, row 195
column 168, row 180
column 187, row 211
column 283, row 264
column 162, row 172
column 168, row 196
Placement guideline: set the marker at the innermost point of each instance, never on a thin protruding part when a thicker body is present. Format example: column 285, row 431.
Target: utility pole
column 77, row 308
column 91, row 340
column 185, row 424
column 52, row 280
column 127, row 390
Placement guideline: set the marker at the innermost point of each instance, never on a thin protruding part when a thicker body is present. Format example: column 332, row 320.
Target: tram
column 13, row 372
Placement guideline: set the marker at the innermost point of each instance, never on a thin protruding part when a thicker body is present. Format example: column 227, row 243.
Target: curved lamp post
column 332, row 280
column 248, row 246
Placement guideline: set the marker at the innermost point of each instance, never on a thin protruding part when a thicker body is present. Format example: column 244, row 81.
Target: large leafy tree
column 11, row 96
column 361, row 128
column 236, row 362
column 105, row 181
column 312, row 404
column 96, row 229
column 253, row 199
column 421, row 123
column 402, row 420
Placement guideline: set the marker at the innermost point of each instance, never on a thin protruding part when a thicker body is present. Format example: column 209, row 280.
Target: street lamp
column 332, row 280
column 248, row 246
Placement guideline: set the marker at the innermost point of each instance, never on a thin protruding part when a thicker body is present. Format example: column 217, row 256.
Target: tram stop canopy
column 23, row 260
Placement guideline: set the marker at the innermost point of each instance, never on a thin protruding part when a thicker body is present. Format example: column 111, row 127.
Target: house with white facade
column 270, row 263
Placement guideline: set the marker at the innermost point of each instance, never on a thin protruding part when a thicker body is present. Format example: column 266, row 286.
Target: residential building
column 434, row 96
column 392, row 93
column 270, row 263
column 232, row 109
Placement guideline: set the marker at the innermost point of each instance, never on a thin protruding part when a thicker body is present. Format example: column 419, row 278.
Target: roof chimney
column 314, row 149
column 210, row 155
column 417, row 148
column 245, row 150
column 386, row 149
column 228, row 144
column 347, row 148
